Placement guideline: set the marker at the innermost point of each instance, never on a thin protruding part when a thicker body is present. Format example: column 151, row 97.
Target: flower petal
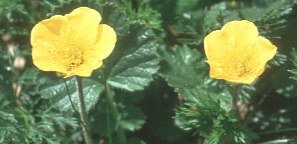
column 240, row 33
column 236, row 53
column 83, row 22
column 215, row 46
column 84, row 70
column 261, row 52
column 264, row 50
column 45, row 39
column 244, row 80
column 74, row 44
column 104, row 46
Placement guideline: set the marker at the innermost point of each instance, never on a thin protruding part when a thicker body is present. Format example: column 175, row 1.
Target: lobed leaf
column 182, row 67
column 58, row 95
column 133, row 63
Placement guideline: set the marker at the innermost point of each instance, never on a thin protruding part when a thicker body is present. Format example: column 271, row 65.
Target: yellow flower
column 236, row 53
column 73, row 44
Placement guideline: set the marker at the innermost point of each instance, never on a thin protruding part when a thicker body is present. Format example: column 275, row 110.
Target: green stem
column 234, row 94
column 108, row 118
column 120, row 132
column 83, row 112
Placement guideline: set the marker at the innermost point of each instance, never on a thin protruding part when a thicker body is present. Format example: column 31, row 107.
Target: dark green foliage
column 206, row 113
column 134, row 61
column 58, row 93
column 210, row 115
column 182, row 67
column 21, row 127
column 154, row 88
column 294, row 60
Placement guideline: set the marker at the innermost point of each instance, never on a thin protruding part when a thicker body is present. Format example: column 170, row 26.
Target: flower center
column 74, row 58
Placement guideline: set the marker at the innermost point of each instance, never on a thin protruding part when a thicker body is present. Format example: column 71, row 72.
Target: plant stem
column 234, row 94
column 108, row 117
column 114, row 111
column 83, row 112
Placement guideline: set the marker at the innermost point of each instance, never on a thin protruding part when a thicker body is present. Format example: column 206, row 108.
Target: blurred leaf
column 217, row 16
column 279, row 141
column 134, row 140
column 160, row 105
column 132, row 118
column 7, row 117
column 105, row 124
column 266, row 10
column 58, row 95
column 213, row 138
column 8, row 126
column 142, row 12
column 283, row 83
column 278, row 60
column 294, row 61
column 116, row 17
column 269, row 15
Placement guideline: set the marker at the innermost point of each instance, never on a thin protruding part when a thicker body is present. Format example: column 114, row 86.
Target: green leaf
column 282, row 81
column 217, row 16
column 135, row 140
column 268, row 9
column 280, row 141
column 209, row 114
column 58, row 95
column 8, row 126
column 205, row 111
column 132, row 118
column 8, row 117
column 116, row 17
column 294, row 61
column 182, row 67
column 105, row 123
column 278, row 60
column 133, row 63
column 267, row 14
column 213, row 138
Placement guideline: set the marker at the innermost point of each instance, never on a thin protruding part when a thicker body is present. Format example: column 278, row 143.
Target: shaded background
column 147, row 116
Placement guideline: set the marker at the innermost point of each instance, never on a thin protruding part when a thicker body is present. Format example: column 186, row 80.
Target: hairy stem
column 114, row 112
column 83, row 112
column 233, row 91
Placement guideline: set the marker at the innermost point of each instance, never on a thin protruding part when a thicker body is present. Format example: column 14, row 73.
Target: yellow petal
column 216, row 72
column 84, row 22
column 44, row 38
column 74, row 44
column 261, row 52
column 236, row 53
column 84, row 70
column 264, row 50
column 215, row 46
column 102, row 49
column 240, row 33
column 244, row 80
